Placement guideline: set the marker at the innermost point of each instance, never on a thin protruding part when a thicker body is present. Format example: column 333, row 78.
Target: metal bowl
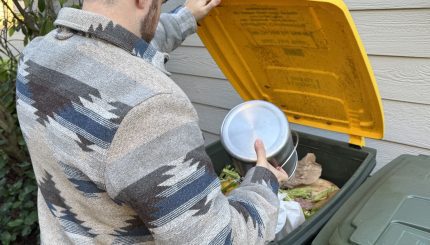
column 258, row 120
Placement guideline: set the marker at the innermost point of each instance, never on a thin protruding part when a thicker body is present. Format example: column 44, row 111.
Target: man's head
column 138, row 16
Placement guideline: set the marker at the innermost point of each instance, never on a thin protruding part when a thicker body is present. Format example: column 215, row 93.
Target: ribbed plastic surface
column 392, row 207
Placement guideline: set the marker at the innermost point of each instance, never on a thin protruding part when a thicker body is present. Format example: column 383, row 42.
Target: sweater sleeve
column 173, row 28
column 157, row 165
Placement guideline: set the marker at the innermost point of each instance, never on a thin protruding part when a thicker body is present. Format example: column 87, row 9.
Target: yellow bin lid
column 306, row 57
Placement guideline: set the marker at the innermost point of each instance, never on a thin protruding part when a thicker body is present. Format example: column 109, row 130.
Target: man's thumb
column 261, row 152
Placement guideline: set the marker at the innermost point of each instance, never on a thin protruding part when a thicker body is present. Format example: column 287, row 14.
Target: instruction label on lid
column 279, row 26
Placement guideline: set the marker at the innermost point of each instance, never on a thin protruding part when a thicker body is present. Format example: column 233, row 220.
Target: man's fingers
column 211, row 4
column 200, row 8
column 278, row 171
column 261, row 152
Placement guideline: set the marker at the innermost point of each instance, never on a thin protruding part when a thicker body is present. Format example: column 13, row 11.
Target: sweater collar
column 98, row 26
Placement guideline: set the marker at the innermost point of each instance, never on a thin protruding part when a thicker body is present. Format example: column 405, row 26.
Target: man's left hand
column 200, row 8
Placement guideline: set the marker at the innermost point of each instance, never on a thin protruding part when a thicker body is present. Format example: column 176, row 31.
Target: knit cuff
column 263, row 176
column 186, row 21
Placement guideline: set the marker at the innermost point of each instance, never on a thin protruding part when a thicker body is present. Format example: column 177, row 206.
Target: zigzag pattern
column 134, row 232
column 82, row 183
column 64, row 103
column 58, row 207
column 248, row 211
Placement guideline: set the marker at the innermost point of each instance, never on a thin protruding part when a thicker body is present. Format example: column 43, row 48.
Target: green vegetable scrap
column 311, row 197
column 309, row 213
column 324, row 194
column 230, row 179
column 302, row 192
column 228, row 173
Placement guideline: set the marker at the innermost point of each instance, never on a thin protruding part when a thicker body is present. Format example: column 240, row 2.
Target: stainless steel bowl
column 258, row 120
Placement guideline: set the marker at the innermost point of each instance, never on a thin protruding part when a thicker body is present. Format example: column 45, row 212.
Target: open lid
column 304, row 56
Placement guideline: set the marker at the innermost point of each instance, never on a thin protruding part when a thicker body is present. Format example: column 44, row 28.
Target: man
column 115, row 144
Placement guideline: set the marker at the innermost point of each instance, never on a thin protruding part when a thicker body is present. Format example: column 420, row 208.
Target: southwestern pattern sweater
column 116, row 147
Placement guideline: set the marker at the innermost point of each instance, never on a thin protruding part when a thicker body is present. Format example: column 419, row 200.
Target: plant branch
column 50, row 8
column 13, row 12
column 9, row 44
column 4, row 52
column 28, row 20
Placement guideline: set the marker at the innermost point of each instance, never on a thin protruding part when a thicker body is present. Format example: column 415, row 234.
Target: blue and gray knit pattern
column 116, row 147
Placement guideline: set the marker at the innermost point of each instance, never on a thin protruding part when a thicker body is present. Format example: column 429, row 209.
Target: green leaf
column 47, row 26
column 2, row 162
column 13, row 238
column 21, row 142
column 17, row 204
column 41, row 5
column 17, row 185
column 5, row 237
column 5, row 207
column 43, row 28
column 50, row 25
column 26, row 231
column 27, row 3
column 22, row 196
column 76, row 6
column 29, row 204
column 30, row 174
column 8, row 99
column 11, row 31
column 2, row 182
column 31, row 218
column 3, row 156
column 3, row 76
column 62, row 2
column 15, row 223
column 27, row 193
column 29, row 188
column 3, row 173
column 24, row 164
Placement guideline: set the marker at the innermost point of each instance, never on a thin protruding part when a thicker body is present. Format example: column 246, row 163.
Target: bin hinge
column 357, row 140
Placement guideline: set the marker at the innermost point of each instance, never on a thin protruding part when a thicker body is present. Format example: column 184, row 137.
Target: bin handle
column 294, row 150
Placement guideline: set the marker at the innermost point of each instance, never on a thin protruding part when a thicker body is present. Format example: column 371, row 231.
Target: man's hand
column 280, row 173
column 200, row 8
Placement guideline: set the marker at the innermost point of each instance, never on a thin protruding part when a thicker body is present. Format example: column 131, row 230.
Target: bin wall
column 396, row 35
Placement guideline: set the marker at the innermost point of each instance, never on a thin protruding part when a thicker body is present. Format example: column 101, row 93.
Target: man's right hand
column 280, row 173
column 200, row 8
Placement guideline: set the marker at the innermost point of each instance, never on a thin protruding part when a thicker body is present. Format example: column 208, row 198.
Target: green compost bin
column 391, row 208
column 343, row 164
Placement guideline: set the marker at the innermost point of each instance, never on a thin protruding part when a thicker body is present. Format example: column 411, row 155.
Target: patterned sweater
column 116, row 147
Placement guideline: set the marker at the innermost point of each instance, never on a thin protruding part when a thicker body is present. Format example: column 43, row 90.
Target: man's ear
column 140, row 4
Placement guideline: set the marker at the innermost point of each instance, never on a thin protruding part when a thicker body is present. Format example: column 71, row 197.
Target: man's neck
column 115, row 12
